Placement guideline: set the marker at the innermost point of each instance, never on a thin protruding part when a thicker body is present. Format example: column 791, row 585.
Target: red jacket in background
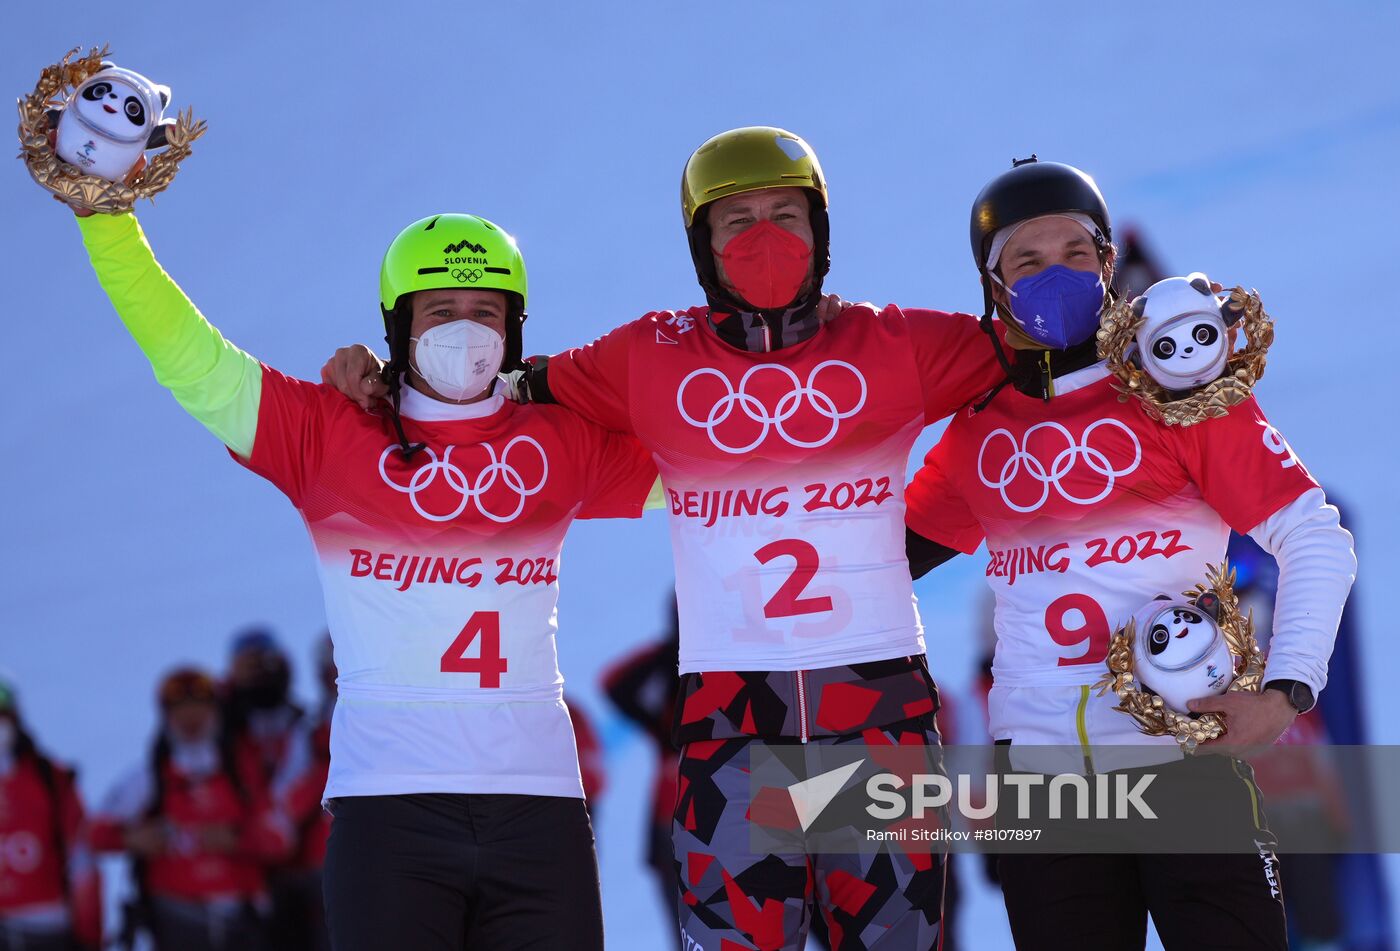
column 590, row 756
column 192, row 805
column 46, row 867
column 297, row 793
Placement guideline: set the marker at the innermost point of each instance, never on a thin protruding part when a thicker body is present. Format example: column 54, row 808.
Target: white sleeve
column 129, row 799
column 1316, row 568
column 295, row 761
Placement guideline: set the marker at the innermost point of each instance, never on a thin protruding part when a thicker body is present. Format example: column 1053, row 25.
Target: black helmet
column 1030, row 189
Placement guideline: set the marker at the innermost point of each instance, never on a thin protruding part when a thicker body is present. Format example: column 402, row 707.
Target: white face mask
column 458, row 359
column 194, row 758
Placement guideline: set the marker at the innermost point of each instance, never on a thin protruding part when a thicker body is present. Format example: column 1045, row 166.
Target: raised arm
column 217, row 383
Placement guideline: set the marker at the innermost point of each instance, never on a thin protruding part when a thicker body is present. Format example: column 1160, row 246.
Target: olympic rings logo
column 467, row 275
column 1065, row 461
column 788, row 405
column 470, row 490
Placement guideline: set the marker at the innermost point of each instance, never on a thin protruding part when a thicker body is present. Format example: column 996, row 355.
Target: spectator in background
column 643, row 687
column 259, row 708
column 590, row 759
column 191, row 818
column 50, row 890
column 1138, row 268
column 263, row 719
column 299, row 921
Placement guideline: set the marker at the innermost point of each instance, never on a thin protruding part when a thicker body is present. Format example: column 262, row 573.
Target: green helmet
column 450, row 251
column 457, row 251
column 447, row 251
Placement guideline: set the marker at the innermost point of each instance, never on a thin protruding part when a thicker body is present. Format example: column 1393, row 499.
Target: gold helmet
column 743, row 160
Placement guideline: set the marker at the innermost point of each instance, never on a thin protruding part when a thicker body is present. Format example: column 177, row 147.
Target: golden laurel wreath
column 1153, row 717
column 67, row 181
column 1243, row 369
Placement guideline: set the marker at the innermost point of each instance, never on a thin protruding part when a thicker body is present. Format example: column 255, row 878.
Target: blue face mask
column 1059, row 307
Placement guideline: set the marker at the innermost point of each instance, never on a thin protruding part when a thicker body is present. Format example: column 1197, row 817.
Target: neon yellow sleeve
column 214, row 381
column 656, row 498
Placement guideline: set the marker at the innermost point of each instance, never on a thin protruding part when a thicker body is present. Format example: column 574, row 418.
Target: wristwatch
column 1299, row 694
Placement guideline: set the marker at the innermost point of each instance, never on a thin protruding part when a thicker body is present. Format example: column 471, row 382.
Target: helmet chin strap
column 397, row 326
column 989, row 307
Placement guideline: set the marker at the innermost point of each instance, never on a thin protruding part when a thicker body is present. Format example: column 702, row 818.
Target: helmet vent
column 433, row 222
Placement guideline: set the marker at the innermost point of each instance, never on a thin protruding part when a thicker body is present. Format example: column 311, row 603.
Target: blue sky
column 1255, row 141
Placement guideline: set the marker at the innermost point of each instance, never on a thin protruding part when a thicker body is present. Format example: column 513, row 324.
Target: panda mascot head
column 1184, row 339
column 110, row 120
column 1179, row 651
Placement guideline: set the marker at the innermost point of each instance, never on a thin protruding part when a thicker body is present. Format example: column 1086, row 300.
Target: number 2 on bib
column 786, row 601
column 1090, row 624
column 488, row 663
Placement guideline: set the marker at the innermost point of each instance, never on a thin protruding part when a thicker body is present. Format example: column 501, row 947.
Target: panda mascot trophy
column 88, row 123
column 1176, row 649
column 1172, row 348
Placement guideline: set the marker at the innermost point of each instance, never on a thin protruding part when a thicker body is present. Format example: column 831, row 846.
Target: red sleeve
column 302, row 798
column 260, row 837
column 287, row 443
column 71, row 816
column 954, row 357
column 107, row 834
column 935, row 508
column 593, row 380
column 621, row 474
column 590, row 756
column 1243, row 466
column 84, row 878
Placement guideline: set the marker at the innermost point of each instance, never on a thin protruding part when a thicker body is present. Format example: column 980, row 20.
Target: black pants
column 298, row 920
column 178, row 925
column 1198, row 901
column 30, row 941
column 453, row 872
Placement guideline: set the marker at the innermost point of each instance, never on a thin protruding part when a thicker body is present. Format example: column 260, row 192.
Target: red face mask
column 766, row 264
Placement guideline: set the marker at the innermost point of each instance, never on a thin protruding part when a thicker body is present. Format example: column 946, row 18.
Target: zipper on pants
column 802, row 705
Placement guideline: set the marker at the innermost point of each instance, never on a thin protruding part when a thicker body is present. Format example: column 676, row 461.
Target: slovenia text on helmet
column 457, row 251
column 743, row 160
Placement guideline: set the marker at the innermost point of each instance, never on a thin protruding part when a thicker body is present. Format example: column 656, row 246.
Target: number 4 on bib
column 489, row 663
